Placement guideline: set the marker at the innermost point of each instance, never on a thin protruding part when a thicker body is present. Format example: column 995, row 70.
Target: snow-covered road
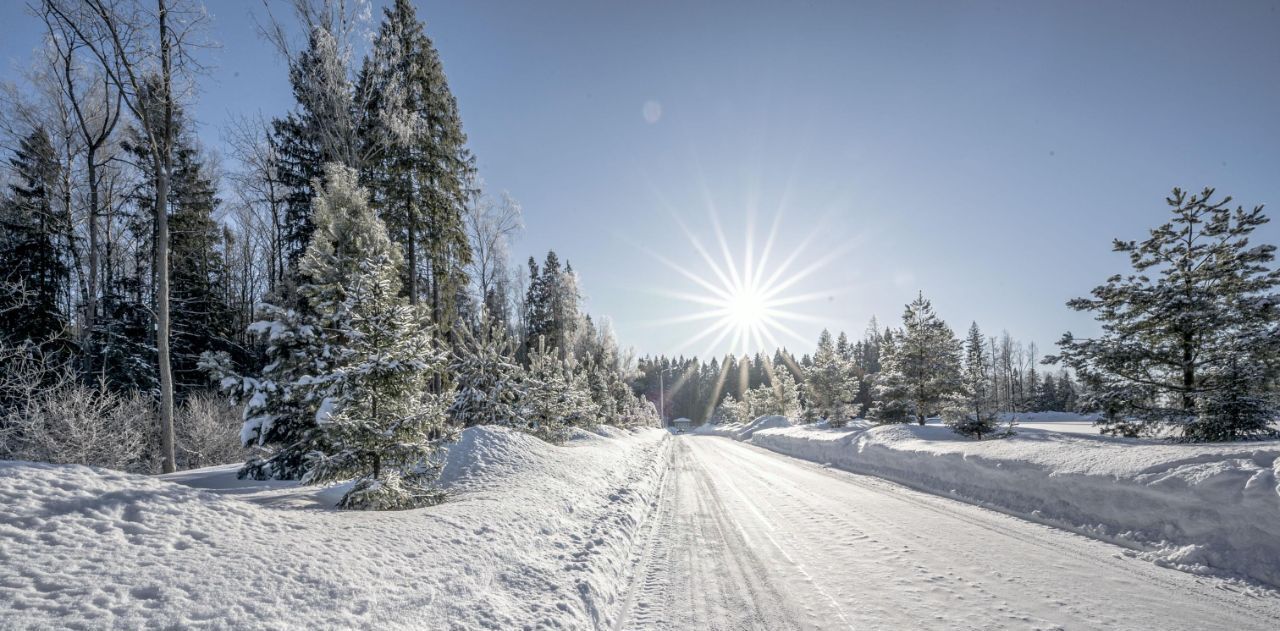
column 743, row 538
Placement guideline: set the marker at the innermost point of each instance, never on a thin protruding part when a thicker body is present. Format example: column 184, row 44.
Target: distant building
column 682, row 424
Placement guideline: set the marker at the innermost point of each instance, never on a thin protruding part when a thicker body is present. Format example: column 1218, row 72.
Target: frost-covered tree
column 488, row 377
column 923, row 369
column 555, row 396
column 829, row 384
column 970, row 410
column 345, row 391
column 418, row 160
column 784, row 394
column 731, row 410
column 322, row 129
column 1189, row 337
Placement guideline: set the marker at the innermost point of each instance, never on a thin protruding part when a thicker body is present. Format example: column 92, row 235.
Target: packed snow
column 534, row 535
column 744, row 538
column 1207, row 508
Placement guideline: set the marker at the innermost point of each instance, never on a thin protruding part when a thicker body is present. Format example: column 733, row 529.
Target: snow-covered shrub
column 207, row 431
column 68, row 422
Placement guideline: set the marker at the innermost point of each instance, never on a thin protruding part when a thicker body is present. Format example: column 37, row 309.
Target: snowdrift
column 92, row 548
column 1200, row 508
column 743, row 431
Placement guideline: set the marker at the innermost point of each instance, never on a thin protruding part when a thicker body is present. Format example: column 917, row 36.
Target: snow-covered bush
column 67, row 422
column 208, row 432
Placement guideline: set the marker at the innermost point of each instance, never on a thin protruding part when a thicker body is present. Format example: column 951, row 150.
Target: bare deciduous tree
column 142, row 53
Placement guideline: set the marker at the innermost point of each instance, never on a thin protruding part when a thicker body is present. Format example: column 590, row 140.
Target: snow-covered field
column 1200, row 508
column 534, row 536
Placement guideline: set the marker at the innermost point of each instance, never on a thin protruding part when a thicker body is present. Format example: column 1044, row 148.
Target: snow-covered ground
column 744, row 538
column 1069, row 422
column 1201, row 508
column 534, row 536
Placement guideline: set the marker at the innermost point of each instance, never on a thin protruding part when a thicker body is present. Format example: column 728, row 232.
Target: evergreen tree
column 731, row 410
column 202, row 318
column 554, row 397
column 418, row 158
column 1188, row 337
column 34, row 278
column 925, row 366
column 487, row 375
column 971, row 410
column 890, row 394
column 344, row 393
column 785, row 400
column 829, row 383
column 319, row 131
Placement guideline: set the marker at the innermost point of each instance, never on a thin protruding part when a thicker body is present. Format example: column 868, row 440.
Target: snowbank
column 743, row 431
column 535, row 535
column 1196, row 507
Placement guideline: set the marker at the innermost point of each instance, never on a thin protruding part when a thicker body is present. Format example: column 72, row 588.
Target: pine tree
column 890, row 394
column 1187, row 337
column 924, row 368
column 971, row 410
column 731, row 410
column 554, row 397
column 785, row 399
column 34, row 278
column 345, row 391
column 488, row 377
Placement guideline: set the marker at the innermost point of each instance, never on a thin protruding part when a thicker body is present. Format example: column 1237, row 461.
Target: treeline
column 346, row 277
column 838, row 381
column 1189, row 349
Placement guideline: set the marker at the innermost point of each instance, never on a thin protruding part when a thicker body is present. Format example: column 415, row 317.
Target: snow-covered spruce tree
column 829, row 383
column 971, row 409
column 1188, row 337
column 554, row 396
column 730, row 410
column 417, row 160
column 924, row 367
column 487, row 375
column 345, row 391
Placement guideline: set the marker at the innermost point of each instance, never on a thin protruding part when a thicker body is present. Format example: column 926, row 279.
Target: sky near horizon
column 985, row 153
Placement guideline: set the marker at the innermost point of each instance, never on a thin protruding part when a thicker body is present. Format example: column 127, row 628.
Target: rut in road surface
column 742, row 538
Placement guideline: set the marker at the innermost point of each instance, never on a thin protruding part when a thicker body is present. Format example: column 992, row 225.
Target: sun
column 747, row 297
column 746, row 307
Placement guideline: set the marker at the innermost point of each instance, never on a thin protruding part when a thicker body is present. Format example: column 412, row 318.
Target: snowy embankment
column 1199, row 508
column 534, row 535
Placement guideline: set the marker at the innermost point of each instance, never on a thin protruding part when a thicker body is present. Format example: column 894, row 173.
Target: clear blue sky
column 983, row 152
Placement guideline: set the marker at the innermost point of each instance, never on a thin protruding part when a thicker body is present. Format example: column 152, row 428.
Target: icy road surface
column 743, row 538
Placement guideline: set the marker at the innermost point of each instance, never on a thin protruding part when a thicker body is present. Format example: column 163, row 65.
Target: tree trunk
column 413, row 253
column 167, row 450
column 1188, row 371
column 162, row 142
column 91, row 302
